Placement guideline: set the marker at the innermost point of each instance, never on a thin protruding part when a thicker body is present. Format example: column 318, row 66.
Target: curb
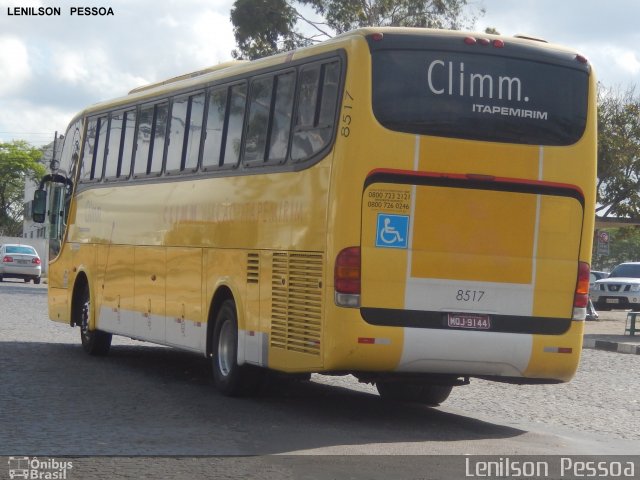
column 611, row 346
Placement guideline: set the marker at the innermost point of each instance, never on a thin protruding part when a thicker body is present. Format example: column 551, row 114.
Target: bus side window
column 307, row 96
column 113, row 150
column 194, row 132
column 258, row 123
column 216, row 112
column 184, row 133
column 128, row 142
column 89, row 150
column 70, row 148
column 317, row 100
column 282, row 113
column 177, row 130
column 234, row 125
column 330, row 89
column 159, row 136
column 101, row 141
column 145, row 122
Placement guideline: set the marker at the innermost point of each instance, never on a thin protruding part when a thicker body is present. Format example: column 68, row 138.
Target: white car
column 621, row 289
column 20, row 261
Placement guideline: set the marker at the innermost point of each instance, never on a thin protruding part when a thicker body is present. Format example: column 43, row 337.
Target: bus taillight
column 347, row 277
column 581, row 298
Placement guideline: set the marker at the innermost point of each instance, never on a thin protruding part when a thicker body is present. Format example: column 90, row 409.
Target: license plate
column 612, row 300
column 24, row 262
column 469, row 320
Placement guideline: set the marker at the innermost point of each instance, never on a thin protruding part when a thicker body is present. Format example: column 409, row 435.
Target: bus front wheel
column 230, row 378
column 424, row 393
column 94, row 342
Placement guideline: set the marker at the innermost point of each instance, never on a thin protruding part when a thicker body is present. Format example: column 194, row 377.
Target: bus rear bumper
column 465, row 352
column 492, row 354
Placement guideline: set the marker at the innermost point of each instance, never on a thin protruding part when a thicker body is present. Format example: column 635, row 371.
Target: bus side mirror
column 39, row 206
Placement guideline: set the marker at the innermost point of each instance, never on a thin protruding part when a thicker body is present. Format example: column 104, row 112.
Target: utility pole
column 54, row 164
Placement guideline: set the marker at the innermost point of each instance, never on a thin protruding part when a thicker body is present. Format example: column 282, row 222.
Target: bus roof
column 235, row 67
column 187, row 76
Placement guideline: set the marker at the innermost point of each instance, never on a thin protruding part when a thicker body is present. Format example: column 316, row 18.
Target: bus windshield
column 480, row 96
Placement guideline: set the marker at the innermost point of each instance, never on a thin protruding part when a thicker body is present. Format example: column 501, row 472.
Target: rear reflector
column 374, row 341
column 558, row 350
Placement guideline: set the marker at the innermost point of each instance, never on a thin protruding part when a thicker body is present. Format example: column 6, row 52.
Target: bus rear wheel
column 424, row 393
column 231, row 379
column 94, row 342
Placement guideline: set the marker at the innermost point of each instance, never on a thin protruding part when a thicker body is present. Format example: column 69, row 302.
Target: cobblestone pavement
column 601, row 401
column 148, row 400
column 608, row 323
column 611, row 332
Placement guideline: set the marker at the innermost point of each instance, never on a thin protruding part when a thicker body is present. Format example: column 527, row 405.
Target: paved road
column 149, row 400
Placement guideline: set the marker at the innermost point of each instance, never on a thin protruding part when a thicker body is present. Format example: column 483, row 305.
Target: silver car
column 20, row 261
column 621, row 289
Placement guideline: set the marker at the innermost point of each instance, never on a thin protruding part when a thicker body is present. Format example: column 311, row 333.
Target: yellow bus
column 414, row 207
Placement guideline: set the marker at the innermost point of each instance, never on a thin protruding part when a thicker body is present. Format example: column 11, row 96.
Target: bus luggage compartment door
column 495, row 249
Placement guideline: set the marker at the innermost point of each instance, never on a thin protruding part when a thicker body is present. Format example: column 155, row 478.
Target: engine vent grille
column 253, row 267
column 296, row 308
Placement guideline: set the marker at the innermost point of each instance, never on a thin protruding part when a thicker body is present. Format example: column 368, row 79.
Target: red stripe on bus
column 475, row 177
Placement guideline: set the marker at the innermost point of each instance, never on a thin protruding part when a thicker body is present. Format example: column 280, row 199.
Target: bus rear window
column 479, row 97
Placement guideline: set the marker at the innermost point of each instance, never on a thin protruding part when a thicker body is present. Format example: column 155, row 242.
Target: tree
column 618, row 153
column 19, row 161
column 264, row 27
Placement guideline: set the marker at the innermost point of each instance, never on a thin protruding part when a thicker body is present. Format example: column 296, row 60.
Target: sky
column 51, row 67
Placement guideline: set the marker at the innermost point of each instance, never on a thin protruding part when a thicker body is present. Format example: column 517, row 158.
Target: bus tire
column 424, row 393
column 94, row 342
column 231, row 379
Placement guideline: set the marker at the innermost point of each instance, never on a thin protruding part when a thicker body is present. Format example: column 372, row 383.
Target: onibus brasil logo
column 34, row 468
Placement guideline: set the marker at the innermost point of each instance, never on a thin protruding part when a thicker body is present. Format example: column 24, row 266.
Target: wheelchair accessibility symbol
column 392, row 231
